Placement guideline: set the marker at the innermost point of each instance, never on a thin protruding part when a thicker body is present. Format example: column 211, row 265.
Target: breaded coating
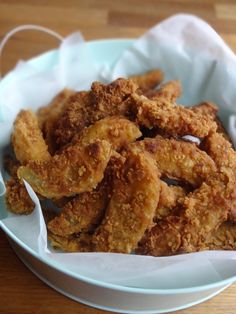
column 221, row 150
column 174, row 119
column 201, row 214
column 177, row 159
column 85, row 108
column 77, row 114
column 83, row 213
column 148, row 80
column 17, row 198
column 111, row 99
column 48, row 116
column 118, row 131
column 134, row 199
column 206, row 108
column 211, row 109
column 170, row 91
column 74, row 243
column 54, row 108
column 170, row 195
column 77, row 169
column 27, row 139
column 202, row 210
column 86, row 210
column 11, row 165
column 224, row 238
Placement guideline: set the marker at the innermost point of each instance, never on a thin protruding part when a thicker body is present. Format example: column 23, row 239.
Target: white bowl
column 96, row 293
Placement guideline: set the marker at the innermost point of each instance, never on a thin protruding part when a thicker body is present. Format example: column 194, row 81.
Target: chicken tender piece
column 83, row 213
column 86, row 210
column 174, row 119
column 17, row 198
column 170, row 91
column 77, row 114
column 148, row 80
column 80, row 243
column 85, row 108
column 118, row 131
column 77, row 169
column 206, row 108
column 27, row 139
column 48, row 116
column 211, row 109
column 202, row 210
column 201, row 214
column 220, row 149
column 170, row 196
column 134, row 199
column 11, row 165
column 178, row 159
column 111, row 99
column 54, row 108
column 224, row 238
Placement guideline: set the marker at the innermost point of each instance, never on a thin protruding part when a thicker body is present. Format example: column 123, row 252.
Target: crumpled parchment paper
column 185, row 48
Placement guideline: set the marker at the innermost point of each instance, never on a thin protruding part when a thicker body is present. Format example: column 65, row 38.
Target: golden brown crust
column 170, row 197
column 170, row 91
column 48, row 116
column 27, row 139
column 202, row 212
column 174, row 119
column 149, row 80
column 11, row 165
column 118, row 131
column 132, row 206
column 211, row 109
column 74, row 243
column 77, row 169
column 17, row 198
column 85, row 108
column 224, row 238
column 84, row 212
column 178, row 159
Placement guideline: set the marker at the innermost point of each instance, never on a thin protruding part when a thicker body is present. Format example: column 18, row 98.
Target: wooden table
column 20, row 290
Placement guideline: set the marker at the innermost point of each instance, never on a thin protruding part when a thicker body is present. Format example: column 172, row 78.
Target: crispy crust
column 77, row 169
column 132, row 207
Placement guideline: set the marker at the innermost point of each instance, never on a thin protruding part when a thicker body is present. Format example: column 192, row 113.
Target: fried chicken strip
column 202, row 210
column 85, row 108
column 201, row 214
column 48, row 116
column 170, row 195
column 174, row 119
column 211, row 109
column 77, row 169
column 178, row 159
column 118, row 131
column 79, row 243
column 224, row 238
column 27, row 139
column 28, row 144
column 149, row 80
column 132, row 206
column 17, row 198
column 77, row 114
column 170, row 91
column 220, row 149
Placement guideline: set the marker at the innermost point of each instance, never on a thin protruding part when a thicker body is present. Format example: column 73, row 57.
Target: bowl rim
column 74, row 275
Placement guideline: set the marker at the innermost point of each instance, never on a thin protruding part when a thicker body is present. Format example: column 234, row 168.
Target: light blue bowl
column 96, row 293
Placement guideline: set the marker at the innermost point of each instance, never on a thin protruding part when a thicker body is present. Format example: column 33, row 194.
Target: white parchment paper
column 185, row 48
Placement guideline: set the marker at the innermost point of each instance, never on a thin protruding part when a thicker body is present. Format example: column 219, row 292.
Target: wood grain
column 20, row 290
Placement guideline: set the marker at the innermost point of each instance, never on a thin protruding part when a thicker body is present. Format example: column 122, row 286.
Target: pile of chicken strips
column 116, row 163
